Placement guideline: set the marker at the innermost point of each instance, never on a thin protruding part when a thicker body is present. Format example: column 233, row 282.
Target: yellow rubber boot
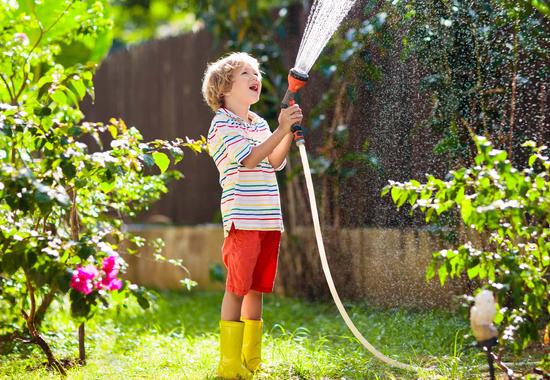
column 252, row 344
column 231, row 342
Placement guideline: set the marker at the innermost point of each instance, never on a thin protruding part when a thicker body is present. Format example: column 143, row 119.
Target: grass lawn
column 178, row 339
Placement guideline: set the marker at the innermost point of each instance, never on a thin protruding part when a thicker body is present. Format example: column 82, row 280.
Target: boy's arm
column 263, row 150
column 277, row 157
column 287, row 117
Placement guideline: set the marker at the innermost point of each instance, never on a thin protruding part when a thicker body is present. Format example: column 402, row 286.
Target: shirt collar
column 255, row 117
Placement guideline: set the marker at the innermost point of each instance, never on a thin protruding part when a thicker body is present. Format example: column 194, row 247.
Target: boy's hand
column 290, row 116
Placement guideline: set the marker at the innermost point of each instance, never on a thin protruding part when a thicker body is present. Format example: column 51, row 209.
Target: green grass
column 178, row 339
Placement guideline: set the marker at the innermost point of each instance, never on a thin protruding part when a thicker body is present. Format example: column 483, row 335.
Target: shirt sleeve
column 236, row 145
column 282, row 166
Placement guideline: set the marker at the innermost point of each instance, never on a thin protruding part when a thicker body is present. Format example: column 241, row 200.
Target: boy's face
column 246, row 86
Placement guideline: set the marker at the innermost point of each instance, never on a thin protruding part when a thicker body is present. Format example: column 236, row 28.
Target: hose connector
column 298, row 133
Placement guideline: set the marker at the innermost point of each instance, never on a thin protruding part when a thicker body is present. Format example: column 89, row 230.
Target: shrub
column 62, row 208
column 509, row 210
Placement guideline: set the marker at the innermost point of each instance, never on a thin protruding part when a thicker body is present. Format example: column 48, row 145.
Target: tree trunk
column 81, row 345
column 41, row 312
column 35, row 335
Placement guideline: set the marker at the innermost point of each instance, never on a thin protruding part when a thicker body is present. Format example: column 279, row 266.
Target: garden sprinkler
column 296, row 80
column 482, row 315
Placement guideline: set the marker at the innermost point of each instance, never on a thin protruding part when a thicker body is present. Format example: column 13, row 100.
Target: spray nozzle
column 296, row 79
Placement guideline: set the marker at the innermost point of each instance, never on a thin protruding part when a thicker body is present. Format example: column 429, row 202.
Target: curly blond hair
column 218, row 77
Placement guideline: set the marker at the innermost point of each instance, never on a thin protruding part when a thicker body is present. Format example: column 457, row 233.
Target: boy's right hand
column 290, row 116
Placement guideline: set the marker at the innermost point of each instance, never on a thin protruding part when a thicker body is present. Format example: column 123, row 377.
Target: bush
column 62, row 207
column 509, row 210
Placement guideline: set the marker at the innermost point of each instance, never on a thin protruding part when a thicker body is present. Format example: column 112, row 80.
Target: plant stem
column 81, row 343
column 7, row 87
column 36, row 338
column 41, row 311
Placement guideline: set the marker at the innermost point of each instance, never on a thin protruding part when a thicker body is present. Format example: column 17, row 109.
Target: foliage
column 61, row 205
column 136, row 21
column 481, row 60
column 509, row 209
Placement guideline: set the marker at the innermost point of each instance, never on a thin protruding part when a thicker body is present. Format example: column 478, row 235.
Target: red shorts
column 251, row 260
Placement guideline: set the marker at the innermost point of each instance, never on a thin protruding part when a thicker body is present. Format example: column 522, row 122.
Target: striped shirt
column 250, row 197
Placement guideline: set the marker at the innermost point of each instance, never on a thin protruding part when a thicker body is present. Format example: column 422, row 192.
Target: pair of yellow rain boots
column 240, row 348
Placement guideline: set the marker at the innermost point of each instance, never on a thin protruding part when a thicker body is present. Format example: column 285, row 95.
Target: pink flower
column 82, row 279
column 21, row 38
column 114, row 284
column 85, row 280
column 109, row 272
column 110, row 266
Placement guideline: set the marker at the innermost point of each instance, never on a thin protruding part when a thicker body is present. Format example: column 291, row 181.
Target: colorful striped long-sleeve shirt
column 250, row 197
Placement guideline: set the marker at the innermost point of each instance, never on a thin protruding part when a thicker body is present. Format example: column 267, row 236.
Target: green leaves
column 11, row 260
column 466, row 210
column 509, row 210
column 162, row 161
column 60, row 205
column 142, row 296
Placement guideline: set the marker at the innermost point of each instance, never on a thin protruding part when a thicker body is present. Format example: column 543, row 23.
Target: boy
column 247, row 155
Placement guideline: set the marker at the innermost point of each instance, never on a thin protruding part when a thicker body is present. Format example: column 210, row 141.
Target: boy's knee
column 254, row 293
column 235, row 294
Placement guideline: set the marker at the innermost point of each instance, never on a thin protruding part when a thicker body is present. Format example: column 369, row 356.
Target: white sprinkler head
column 482, row 315
column 485, row 303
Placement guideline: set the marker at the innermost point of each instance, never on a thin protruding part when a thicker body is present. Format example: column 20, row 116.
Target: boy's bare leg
column 252, row 305
column 231, row 306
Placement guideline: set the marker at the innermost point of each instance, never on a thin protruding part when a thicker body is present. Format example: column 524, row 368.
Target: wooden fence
column 156, row 88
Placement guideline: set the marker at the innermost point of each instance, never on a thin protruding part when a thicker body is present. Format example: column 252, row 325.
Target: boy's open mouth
column 254, row 87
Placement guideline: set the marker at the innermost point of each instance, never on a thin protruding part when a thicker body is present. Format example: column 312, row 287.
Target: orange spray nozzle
column 296, row 79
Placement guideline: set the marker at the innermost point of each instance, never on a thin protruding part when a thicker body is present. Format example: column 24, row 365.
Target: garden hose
column 296, row 80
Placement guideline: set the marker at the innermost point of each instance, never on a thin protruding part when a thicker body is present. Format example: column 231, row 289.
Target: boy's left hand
column 289, row 117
